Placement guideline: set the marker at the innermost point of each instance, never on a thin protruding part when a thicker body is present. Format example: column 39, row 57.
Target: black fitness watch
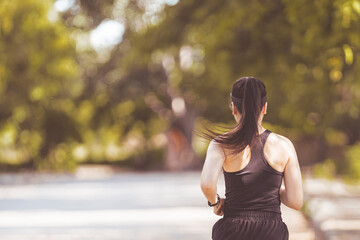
column 215, row 204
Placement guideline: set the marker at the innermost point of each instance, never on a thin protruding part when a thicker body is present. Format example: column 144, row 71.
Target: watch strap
column 217, row 202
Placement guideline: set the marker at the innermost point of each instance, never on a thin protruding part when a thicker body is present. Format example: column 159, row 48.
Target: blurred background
column 111, row 91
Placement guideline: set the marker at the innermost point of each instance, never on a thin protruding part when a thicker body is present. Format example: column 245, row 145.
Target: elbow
column 294, row 202
column 298, row 205
column 207, row 187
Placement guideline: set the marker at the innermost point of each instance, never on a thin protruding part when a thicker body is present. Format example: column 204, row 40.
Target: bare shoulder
column 278, row 150
column 280, row 141
column 214, row 146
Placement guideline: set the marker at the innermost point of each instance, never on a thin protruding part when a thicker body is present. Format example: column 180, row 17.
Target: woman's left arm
column 214, row 160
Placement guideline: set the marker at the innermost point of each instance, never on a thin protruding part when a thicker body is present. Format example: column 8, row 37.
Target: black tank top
column 255, row 187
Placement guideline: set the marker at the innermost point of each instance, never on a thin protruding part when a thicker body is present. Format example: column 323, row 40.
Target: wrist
column 216, row 203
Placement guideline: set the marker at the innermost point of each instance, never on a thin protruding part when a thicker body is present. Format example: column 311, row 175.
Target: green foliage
column 38, row 74
column 306, row 52
column 59, row 159
column 348, row 168
column 62, row 104
column 310, row 69
column 353, row 163
column 326, row 169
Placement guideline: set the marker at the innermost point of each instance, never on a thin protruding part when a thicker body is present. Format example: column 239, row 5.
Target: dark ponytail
column 248, row 94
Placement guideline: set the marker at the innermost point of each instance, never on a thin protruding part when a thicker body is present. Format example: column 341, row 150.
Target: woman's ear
column 234, row 110
column 264, row 110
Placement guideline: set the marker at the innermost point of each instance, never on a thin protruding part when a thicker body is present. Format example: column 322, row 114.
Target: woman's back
column 256, row 185
column 276, row 152
column 252, row 202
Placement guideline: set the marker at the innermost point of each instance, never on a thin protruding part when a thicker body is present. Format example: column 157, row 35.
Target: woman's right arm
column 292, row 193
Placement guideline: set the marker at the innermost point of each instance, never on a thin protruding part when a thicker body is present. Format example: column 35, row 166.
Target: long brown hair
column 248, row 94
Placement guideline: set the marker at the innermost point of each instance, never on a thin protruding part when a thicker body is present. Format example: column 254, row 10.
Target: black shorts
column 251, row 226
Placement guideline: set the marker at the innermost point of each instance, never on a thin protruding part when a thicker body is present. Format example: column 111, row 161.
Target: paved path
column 334, row 207
column 101, row 205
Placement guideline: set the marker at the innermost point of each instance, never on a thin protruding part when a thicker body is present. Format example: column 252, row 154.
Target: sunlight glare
column 107, row 34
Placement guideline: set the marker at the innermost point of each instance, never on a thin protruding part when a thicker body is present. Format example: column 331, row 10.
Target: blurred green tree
column 65, row 101
column 179, row 61
column 38, row 76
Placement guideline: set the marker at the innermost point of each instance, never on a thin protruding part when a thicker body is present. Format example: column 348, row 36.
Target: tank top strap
column 261, row 153
column 257, row 154
column 264, row 136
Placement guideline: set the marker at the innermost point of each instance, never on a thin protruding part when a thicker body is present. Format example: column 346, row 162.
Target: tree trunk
column 179, row 152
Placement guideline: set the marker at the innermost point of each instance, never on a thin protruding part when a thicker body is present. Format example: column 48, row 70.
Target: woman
column 254, row 161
